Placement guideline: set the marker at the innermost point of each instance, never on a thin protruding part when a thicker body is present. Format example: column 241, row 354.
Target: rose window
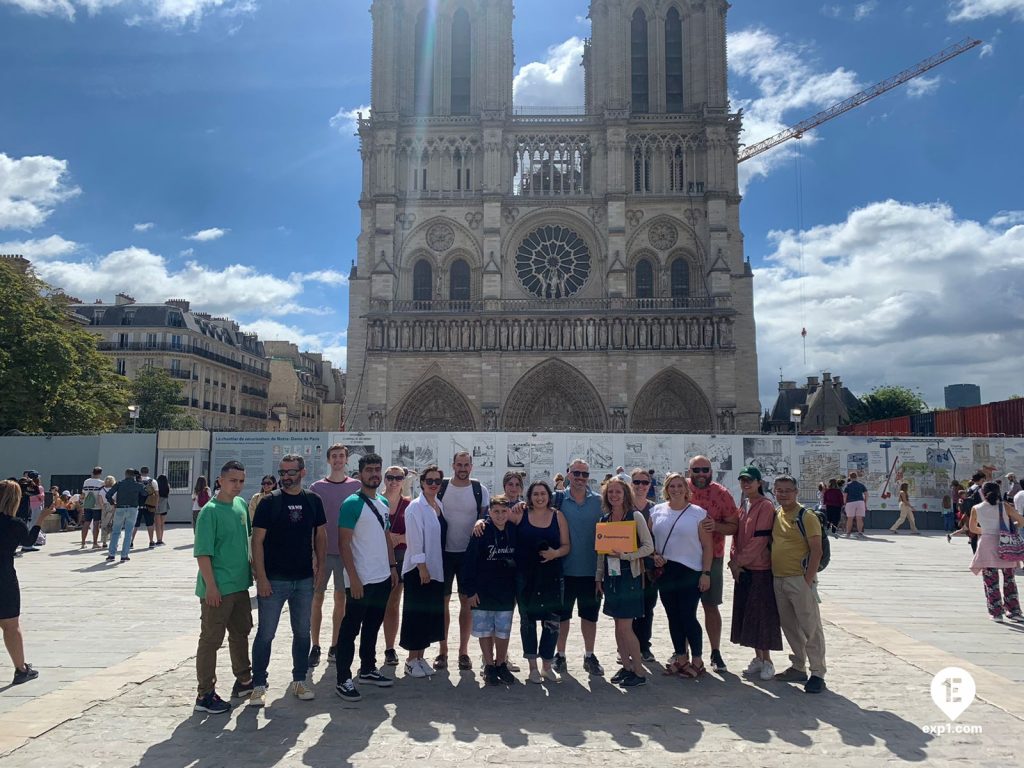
column 553, row 262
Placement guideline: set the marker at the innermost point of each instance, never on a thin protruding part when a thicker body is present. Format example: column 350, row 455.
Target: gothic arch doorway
column 435, row 406
column 671, row 403
column 554, row 397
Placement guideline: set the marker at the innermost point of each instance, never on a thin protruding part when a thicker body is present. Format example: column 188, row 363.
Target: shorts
column 492, row 624
column 336, row 570
column 856, row 508
column 581, row 591
column 452, row 568
column 92, row 515
column 714, row 594
column 147, row 514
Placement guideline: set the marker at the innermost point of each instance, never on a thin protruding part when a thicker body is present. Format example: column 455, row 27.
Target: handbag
column 1011, row 544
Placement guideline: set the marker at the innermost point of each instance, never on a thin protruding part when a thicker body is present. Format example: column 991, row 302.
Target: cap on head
column 66, row 494
column 32, row 473
column 750, row 472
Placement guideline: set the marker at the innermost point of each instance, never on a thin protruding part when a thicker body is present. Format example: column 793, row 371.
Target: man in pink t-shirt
column 716, row 500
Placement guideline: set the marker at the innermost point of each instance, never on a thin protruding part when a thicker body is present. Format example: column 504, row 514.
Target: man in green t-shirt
column 795, row 557
column 222, row 551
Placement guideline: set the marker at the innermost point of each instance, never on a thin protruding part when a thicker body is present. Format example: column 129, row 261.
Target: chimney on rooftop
column 123, row 298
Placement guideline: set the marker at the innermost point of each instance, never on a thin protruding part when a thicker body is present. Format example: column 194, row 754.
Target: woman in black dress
column 14, row 533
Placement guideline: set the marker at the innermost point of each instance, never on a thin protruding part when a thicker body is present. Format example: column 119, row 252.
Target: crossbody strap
column 678, row 518
column 380, row 519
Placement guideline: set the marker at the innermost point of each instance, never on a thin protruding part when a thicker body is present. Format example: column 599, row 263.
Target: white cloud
column 897, row 293
column 50, row 247
column 1007, row 219
column 859, row 12
column 863, row 10
column 207, row 235
column 30, row 188
column 325, row 276
column 346, row 121
column 144, row 226
column 188, row 253
column 555, row 82
column 331, row 343
column 970, row 10
column 785, row 82
column 923, row 86
column 175, row 13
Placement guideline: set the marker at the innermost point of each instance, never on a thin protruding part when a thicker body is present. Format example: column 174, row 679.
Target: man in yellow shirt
column 795, row 558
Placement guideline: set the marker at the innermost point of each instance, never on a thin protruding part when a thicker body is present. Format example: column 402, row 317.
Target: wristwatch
column 706, row 573
column 394, row 565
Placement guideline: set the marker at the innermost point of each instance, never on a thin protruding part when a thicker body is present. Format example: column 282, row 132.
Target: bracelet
column 394, row 565
column 706, row 573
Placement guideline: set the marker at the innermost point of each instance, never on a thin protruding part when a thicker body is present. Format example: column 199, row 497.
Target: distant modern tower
column 962, row 395
column 525, row 269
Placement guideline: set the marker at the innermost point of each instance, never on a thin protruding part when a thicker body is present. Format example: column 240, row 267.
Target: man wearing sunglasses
column 722, row 518
column 288, row 528
column 332, row 490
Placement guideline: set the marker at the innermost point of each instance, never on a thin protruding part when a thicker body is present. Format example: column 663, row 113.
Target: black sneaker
column 814, row 685
column 558, row 663
column 212, row 703
column 24, row 675
column 648, row 656
column 373, row 677
column 348, row 691
column 619, row 676
column 632, row 680
column 330, row 655
column 391, row 657
column 717, row 662
column 505, row 674
column 125, row 559
column 314, row 656
column 491, row 675
column 241, row 690
column 592, row 665
column 110, row 558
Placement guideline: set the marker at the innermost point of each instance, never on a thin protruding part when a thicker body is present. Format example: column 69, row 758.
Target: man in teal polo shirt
column 222, row 551
column 582, row 510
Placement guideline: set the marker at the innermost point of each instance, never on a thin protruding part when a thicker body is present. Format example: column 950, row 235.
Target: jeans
column 949, row 521
column 363, row 618
column 545, row 648
column 643, row 627
column 680, row 596
column 299, row 596
column 65, row 518
column 124, row 520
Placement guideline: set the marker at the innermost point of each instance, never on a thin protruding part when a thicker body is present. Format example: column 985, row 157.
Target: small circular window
column 553, row 262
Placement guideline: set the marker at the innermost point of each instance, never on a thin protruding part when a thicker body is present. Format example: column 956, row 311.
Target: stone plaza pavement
column 115, row 647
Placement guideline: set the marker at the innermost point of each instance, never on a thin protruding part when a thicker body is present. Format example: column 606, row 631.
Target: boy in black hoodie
column 488, row 581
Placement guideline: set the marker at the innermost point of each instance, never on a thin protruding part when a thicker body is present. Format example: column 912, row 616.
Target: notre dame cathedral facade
column 551, row 269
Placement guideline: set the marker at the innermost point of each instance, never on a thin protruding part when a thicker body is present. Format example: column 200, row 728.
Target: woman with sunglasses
column 641, row 480
column 423, row 574
column 267, row 486
column 394, row 477
column 684, row 550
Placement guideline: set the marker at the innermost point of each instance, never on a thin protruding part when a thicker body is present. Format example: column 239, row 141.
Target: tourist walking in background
column 148, row 506
column 833, row 499
column 163, row 486
column 14, row 533
column 107, row 519
column 856, row 496
column 987, row 519
column 949, row 513
column 755, row 616
column 906, row 511
column 128, row 496
column 394, row 480
column 92, row 506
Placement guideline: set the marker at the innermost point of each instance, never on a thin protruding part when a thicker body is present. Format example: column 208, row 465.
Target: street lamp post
column 794, row 416
column 133, row 414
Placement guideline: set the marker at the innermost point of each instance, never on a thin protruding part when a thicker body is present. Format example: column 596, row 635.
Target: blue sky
column 203, row 149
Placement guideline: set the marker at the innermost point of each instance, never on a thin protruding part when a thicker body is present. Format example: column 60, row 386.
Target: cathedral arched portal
column 671, row 403
column 435, row 406
column 554, row 397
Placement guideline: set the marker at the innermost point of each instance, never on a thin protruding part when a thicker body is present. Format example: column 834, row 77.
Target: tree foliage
column 888, row 402
column 157, row 396
column 52, row 377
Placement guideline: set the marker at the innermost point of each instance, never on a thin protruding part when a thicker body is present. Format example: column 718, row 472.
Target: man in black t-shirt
column 287, row 531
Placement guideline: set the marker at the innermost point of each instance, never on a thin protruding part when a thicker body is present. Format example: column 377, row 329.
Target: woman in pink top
column 755, row 617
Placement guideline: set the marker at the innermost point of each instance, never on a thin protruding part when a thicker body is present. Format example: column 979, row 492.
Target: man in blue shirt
column 582, row 510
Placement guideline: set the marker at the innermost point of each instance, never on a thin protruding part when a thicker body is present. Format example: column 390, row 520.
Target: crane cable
column 800, row 245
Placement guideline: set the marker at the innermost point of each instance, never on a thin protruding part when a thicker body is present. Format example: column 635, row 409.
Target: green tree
column 888, row 402
column 52, row 377
column 158, row 397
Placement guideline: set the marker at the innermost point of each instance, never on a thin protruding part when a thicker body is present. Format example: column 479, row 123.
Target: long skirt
column 422, row 612
column 755, row 616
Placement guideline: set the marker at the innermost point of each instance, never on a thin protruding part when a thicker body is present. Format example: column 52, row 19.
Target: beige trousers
column 801, row 623
column 906, row 515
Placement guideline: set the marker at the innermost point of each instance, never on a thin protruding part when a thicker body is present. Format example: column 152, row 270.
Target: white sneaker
column 413, row 669
column 754, row 667
column 535, row 677
column 767, row 670
column 258, row 697
column 428, row 671
column 302, row 692
column 551, row 676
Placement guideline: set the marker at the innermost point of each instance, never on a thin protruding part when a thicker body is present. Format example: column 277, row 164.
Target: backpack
column 478, row 494
column 90, row 500
column 152, row 495
column 826, row 548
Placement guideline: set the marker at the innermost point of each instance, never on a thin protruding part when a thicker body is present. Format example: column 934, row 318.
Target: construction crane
column 798, row 130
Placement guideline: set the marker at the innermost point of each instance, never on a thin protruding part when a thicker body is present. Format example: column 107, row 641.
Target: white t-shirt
column 93, row 485
column 679, row 541
column 460, row 512
column 371, row 549
column 1018, row 502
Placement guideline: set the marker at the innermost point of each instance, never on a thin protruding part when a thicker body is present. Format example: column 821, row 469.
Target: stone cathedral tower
column 551, row 269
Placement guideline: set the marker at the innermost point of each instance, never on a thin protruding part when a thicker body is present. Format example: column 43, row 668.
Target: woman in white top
column 423, row 574
column 683, row 548
column 985, row 518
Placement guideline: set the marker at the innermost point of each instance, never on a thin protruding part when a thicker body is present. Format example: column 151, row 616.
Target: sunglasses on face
column 579, row 473
column 289, row 472
column 701, row 470
column 432, row 481
column 394, row 478
column 267, row 482
column 641, row 482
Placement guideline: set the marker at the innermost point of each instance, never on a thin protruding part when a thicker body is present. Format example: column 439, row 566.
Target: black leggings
column 678, row 587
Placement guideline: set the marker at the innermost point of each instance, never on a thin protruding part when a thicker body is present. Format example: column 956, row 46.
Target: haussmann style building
column 551, row 269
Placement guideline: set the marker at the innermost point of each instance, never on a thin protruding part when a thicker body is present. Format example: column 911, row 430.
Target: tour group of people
column 394, row 562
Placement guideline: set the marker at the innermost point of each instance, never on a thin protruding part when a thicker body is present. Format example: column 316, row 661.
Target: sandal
column 692, row 671
column 676, row 666
column 465, row 662
column 441, row 662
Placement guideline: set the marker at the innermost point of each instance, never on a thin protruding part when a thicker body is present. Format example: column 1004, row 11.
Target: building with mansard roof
column 558, row 269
